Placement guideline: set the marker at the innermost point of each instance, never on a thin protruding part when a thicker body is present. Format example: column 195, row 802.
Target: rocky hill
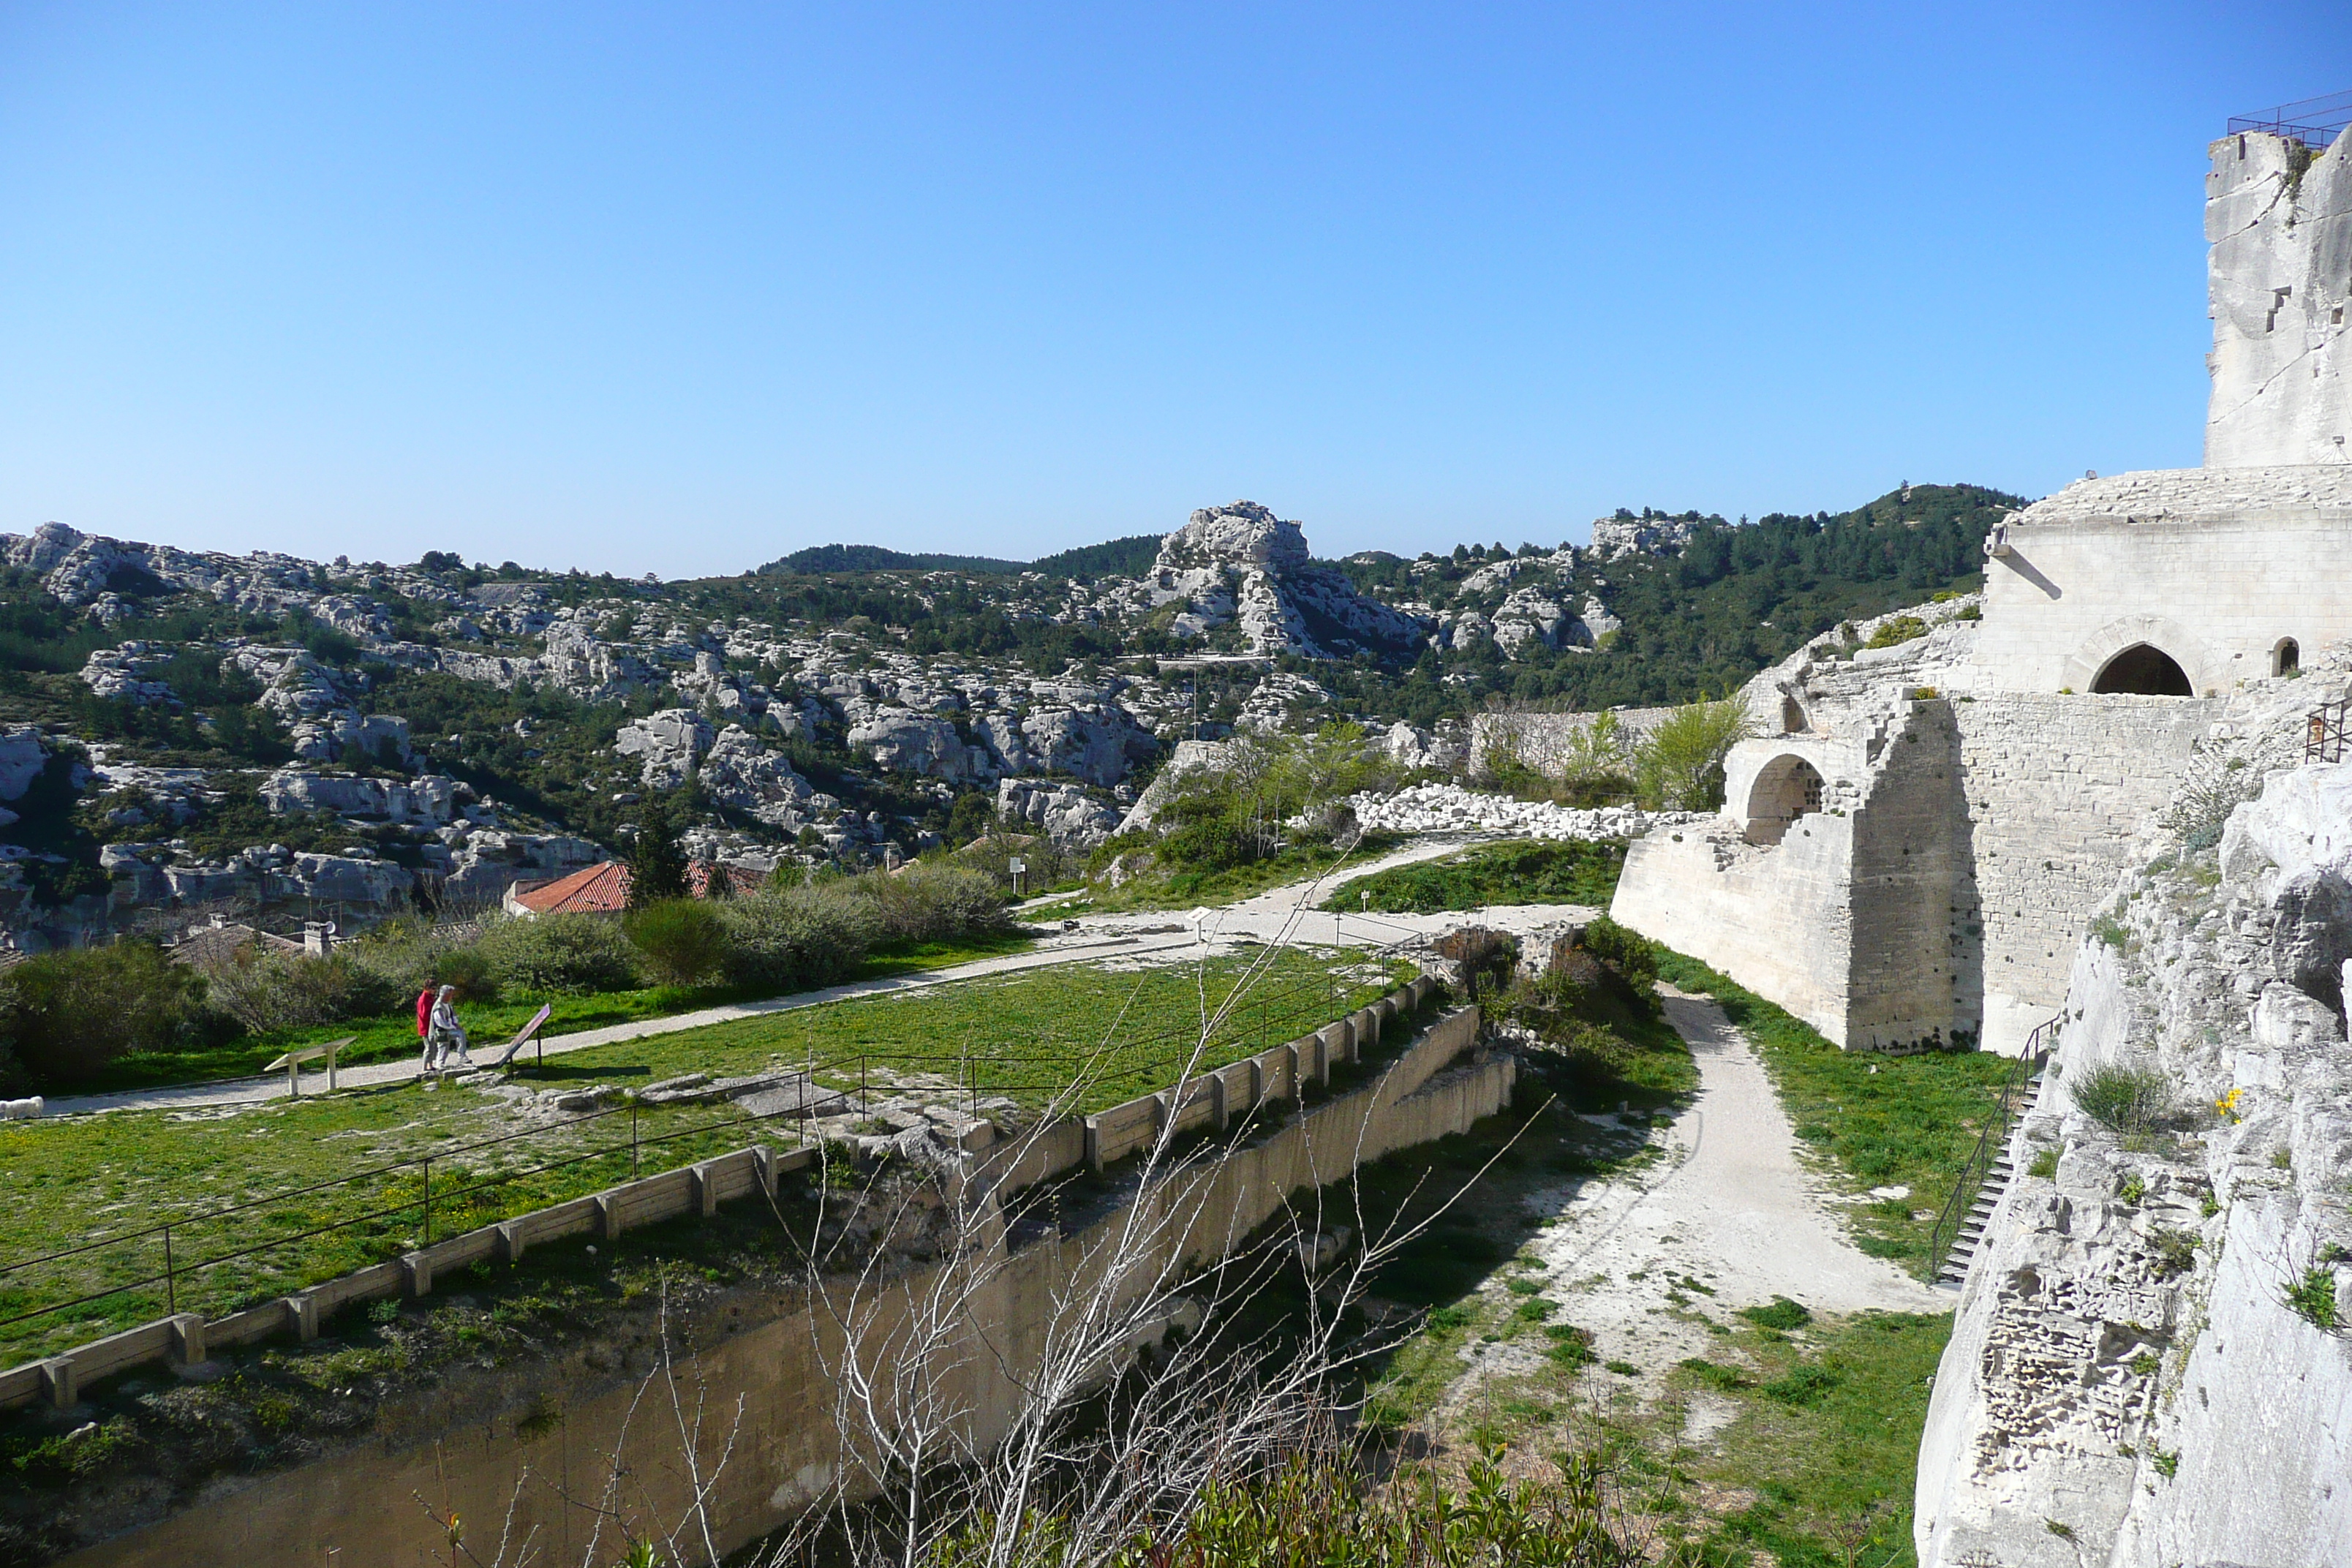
column 189, row 729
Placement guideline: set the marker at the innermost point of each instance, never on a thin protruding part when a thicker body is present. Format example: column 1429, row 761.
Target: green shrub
column 2313, row 1296
column 2044, row 1164
column 796, row 938
column 71, row 1012
column 266, row 991
column 683, row 940
column 935, row 903
column 1802, row 1385
column 2127, row 1101
column 1571, row 1347
column 1629, row 953
column 409, row 957
column 573, row 954
column 1896, row 630
column 1678, row 766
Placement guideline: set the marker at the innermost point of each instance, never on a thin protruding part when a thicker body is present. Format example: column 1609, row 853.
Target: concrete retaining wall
column 779, row 1358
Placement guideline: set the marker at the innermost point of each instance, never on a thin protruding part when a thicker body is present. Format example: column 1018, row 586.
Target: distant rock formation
column 1241, row 563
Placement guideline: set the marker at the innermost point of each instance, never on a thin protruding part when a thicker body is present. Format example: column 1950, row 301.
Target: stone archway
column 2145, row 670
column 1786, row 788
column 2100, row 664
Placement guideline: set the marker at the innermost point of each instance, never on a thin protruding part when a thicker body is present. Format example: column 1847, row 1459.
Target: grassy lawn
column 1874, row 1121
column 1513, row 873
column 394, row 1035
column 81, row 1179
column 1184, row 888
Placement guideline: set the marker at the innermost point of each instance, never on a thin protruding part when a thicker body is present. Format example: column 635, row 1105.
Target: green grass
column 1515, row 873
column 1025, row 1035
column 1876, row 1120
column 1182, row 888
column 392, row 1036
column 1827, row 1440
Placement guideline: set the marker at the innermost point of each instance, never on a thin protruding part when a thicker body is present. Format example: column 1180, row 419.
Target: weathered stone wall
column 481, row 1445
column 2055, row 789
column 1779, row 920
column 2279, row 276
column 1914, row 978
column 2212, row 567
column 2126, row 1362
column 1542, row 740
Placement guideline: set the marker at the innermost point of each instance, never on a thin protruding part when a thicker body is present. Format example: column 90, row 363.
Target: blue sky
column 682, row 288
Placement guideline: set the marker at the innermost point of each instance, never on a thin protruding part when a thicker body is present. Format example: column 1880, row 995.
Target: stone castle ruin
column 1909, row 857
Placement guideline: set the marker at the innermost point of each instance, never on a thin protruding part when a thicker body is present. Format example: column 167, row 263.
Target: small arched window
column 2287, row 659
column 1787, row 789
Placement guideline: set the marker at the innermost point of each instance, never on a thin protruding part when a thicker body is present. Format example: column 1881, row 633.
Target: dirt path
column 1729, row 1206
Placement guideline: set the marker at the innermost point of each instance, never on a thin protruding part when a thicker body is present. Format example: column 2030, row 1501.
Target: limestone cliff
column 2149, row 1363
column 2280, row 220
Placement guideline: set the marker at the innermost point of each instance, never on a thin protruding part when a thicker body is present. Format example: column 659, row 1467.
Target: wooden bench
column 292, row 1062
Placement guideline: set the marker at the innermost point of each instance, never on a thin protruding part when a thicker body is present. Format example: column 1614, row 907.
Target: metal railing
column 2314, row 121
column 1990, row 1141
column 405, row 1191
column 2323, row 733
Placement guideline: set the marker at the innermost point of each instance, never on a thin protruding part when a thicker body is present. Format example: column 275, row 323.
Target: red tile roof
column 604, row 888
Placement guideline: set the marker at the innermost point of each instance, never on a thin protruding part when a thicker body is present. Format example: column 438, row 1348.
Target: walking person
column 425, row 1028
column 446, row 1038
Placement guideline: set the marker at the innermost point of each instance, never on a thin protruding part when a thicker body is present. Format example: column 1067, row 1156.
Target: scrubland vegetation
column 1574, row 871
column 118, row 1016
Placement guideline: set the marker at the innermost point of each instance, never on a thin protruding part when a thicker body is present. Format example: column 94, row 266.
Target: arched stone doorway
column 2145, row 670
column 1786, row 788
column 2287, row 659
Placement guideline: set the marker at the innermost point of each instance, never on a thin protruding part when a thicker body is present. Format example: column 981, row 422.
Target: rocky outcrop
column 666, row 745
column 1241, row 563
column 741, row 774
column 431, row 801
column 1061, row 812
column 2149, row 1363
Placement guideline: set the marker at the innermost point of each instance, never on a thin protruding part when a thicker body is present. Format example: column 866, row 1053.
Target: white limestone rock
column 739, row 773
column 1061, row 812
column 901, row 740
column 430, row 801
column 666, row 745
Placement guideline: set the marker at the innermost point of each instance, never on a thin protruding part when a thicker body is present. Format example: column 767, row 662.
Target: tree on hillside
column 656, row 860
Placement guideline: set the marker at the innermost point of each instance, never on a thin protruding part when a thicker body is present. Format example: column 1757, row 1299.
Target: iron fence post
column 170, row 1285
column 428, row 1202
column 633, row 1141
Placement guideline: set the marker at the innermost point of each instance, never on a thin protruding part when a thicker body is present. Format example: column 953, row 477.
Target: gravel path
column 1730, row 1206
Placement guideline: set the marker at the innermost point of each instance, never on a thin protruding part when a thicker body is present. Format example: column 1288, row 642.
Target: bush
column 1896, row 630
column 2313, row 1296
column 70, row 1013
column 935, row 903
column 1629, row 953
column 1678, row 766
column 796, row 938
column 268, row 991
column 1779, row 1313
column 2127, row 1101
column 573, row 954
column 409, row 957
column 683, row 940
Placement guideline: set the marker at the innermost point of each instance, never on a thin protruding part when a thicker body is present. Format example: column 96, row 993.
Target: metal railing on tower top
column 2314, row 121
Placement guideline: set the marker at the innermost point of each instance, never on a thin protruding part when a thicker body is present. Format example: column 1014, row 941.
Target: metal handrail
column 1990, row 1141
column 2314, row 121
column 2323, row 733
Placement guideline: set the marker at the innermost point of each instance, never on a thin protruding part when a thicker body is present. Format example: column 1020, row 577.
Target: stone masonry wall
column 1914, row 977
column 2055, row 788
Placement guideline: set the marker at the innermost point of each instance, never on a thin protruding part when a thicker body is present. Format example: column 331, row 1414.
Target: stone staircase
column 1985, row 1182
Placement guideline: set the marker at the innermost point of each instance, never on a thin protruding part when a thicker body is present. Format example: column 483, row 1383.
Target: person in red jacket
column 425, row 1025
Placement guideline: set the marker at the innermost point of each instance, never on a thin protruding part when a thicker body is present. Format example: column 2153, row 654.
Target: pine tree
column 657, row 862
